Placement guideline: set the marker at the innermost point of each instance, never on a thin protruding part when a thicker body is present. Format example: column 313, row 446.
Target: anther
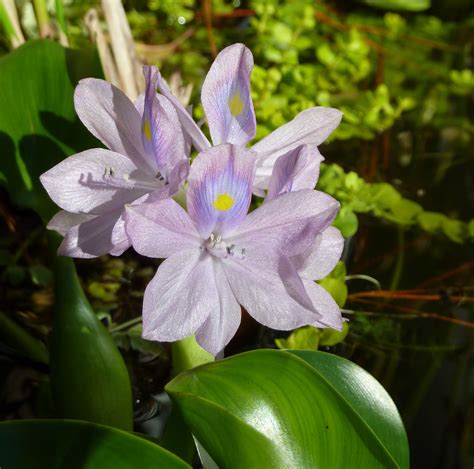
column 109, row 172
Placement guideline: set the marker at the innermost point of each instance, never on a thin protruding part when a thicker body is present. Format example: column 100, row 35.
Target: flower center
column 223, row 202
column 216, row 247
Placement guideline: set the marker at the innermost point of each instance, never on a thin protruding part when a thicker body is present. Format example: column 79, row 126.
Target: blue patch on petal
column 220, row 188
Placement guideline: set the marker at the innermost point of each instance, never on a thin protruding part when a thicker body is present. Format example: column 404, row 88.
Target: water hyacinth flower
column 293, row 171
column 228, row 106
column 146, row 160
column 219, row 257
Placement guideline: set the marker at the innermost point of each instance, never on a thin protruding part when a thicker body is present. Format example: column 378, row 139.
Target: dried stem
column 122, row 46
column 207, row 14
column 421, row 314
column 97, row 36
column 450, row 273
column 409, row 295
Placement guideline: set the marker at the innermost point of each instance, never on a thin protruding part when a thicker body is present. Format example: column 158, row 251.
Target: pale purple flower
column 230, row 115
column 293, row 171
column 146, row 160
column 219, row 257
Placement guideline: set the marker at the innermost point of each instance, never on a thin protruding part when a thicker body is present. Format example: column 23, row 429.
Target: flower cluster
column 219, row 257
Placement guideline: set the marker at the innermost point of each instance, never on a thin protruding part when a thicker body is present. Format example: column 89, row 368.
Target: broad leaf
column 89, row 378
column 270, row 408
column 38, row 124
column 51, row 444
column 367, row 397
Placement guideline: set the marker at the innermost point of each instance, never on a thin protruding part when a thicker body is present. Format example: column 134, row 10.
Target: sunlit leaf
column 270, row 408
column 38, row 124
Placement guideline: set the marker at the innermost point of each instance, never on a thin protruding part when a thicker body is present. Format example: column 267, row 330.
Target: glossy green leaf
column 368, row 399
column 89, row 378
column 54, row 444
column 38, row 124
column 270, row 408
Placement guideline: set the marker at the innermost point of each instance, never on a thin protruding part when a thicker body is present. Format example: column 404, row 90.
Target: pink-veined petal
column 85, row 182
column 220, row 188
column 64, row 221
column 222, row 322
column 287, row 224
column 189, row 126
column 311, row 127
column 177, row 301
column 160, row 229
column 111, row 117
column 298, row 169
column 261, row 291
column 161, row 130
column 323, row 256
column 226, row 97
column 324, row 303
column 95, row 237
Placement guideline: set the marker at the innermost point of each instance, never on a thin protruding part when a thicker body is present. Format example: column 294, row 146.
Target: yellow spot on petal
column 236, row 104
column 223, row 202
column 147, row 129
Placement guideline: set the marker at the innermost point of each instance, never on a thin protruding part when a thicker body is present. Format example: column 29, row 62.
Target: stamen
column 108, row 172
column 109, row 179
column 218, row 248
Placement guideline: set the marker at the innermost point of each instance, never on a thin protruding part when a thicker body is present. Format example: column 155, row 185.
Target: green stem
column 187, row 354
column 61, row 20
column 125, row 325
column 15, row 336
column 397, row 273
column 42, row 17
column 9, row 21
column 177, row 438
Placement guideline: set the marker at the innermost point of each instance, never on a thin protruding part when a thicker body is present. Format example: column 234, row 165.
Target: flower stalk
column 187, row 354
